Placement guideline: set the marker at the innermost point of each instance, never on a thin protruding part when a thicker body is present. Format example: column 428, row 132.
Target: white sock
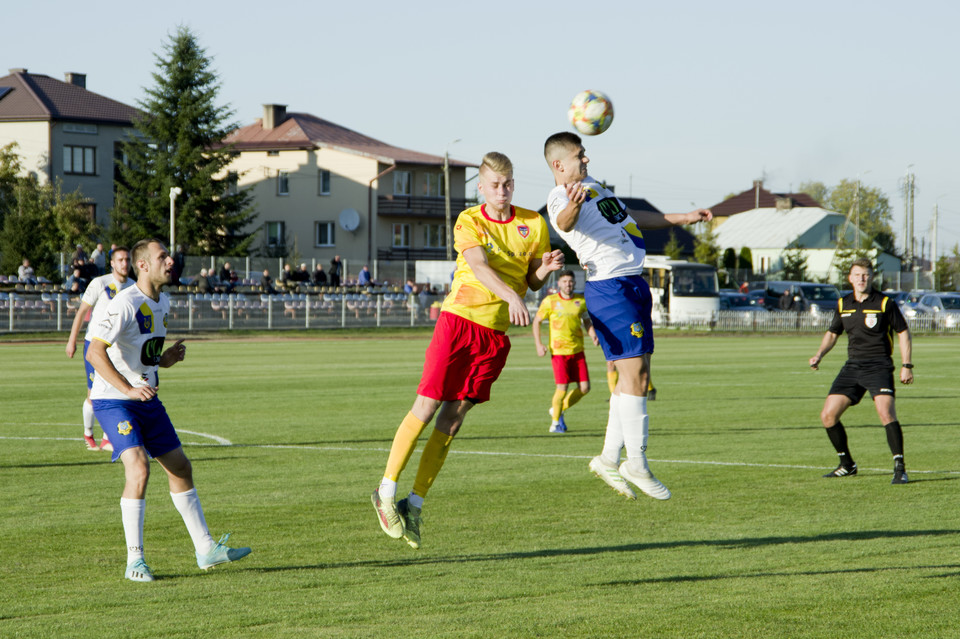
column 415, row 500
column 635, row 421
column 131, row 513
column 188, row 505
column 388, row 489
column 613, row 439
column 87, row 418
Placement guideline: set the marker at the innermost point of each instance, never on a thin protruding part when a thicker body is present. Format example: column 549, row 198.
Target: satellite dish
column 349, row 219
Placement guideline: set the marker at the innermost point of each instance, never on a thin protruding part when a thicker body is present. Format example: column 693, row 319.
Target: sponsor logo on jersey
column 870, row 320
column 111, row 291
column 124, row 427
column 636, row 329
column 524, row 230
column 151, row 351
column 145, row 319
column 611, row 210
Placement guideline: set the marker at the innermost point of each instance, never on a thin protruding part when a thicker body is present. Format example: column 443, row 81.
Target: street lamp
column 174, row 192
column 446, row 194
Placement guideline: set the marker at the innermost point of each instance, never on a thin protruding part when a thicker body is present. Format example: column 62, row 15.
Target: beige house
column 321, row 190
column 65, row 132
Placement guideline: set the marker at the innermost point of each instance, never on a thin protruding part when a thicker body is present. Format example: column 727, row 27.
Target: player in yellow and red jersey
column 503, row 251
column 565, row 311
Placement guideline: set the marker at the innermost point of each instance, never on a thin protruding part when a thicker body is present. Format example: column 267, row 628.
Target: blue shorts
column 620, row 311
column 87, row 366
column 129, row 424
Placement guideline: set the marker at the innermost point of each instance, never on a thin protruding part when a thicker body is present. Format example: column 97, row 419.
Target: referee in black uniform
column 870, row 320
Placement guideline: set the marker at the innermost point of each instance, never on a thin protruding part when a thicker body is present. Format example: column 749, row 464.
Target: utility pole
column 933, row 243
column 913, row 240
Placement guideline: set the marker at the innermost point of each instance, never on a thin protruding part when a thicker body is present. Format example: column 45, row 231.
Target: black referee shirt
column 870, row 325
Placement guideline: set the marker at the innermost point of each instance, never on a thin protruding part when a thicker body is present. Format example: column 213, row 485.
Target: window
column 401, row 236
column 276, row 234
column 273, row 154
column 72, row 127
column 283, row 183
column 80, row 160
column 834, row 232
column 233, row 178
column 402, row 183
column 323, row 182
column 324, row 234
column 433, row 185
column 435, row 236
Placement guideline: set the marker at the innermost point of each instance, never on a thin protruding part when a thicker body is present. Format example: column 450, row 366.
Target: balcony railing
column 423, row 207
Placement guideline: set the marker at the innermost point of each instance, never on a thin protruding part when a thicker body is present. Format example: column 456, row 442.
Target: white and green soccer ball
column 591, row 112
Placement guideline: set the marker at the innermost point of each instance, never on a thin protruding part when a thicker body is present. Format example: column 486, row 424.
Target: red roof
column 305, row 131
column 748, row 200
column 39, row 97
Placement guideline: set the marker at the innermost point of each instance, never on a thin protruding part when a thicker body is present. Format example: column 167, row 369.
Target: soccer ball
column 591, row 112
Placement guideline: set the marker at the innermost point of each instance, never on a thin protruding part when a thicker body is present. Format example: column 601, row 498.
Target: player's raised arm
column 653, row 220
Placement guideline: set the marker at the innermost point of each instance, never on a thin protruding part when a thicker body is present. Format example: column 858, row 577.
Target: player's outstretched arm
column 652, row 220
column 98, row 358
column 477, row 261
column 827, row 343
column 174, row 354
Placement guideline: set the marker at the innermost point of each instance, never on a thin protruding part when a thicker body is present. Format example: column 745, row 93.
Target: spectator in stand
column 336, row 270
column 234, row 280
column 76, row 282
column 365, row 279
column 302, row 276
column 26, row 273
column 202, row 282
column 287, row 280
column 99, row 258
column 409, row 287
column 319, row 276
column 266, row 283
column 224, row 274
column 79, row 254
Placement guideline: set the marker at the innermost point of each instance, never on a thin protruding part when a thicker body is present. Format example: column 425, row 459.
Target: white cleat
column 646, row 482
column 611, row 477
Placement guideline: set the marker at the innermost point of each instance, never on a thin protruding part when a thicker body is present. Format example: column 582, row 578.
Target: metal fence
column 28, row 311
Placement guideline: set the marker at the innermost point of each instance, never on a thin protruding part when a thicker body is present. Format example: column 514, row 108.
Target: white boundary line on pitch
column 223, row 442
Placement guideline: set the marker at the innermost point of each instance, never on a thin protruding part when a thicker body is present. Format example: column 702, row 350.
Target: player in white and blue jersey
column 608, row 242
column 94, row 302
column 126, row 351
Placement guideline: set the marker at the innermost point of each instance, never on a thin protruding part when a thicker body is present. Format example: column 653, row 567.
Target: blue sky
column 708, row 95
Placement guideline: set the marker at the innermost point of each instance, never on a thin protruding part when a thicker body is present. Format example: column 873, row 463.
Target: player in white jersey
column 94, row 301
column 126, row 350
column 608, row 242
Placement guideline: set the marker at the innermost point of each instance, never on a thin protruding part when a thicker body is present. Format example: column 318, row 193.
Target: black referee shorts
column 856, row 378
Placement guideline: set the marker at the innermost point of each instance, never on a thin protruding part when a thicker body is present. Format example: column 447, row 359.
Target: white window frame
column 433, row 185
column 281, row 235
column 435, row 236
column 401, row 236
column 402, row 183
column 283, row 182
column 331, row 234
column 323, row 182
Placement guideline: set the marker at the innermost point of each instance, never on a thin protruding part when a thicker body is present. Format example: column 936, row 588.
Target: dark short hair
column 862, row 262
column 563, row 139
column 118, row 248
column 142, row 248
column 566, row 273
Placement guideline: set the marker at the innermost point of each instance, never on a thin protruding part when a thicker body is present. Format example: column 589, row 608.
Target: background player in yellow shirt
column 565, row 311
column 503, row 250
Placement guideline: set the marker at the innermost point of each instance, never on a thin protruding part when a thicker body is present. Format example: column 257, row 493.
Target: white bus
column 682, row 291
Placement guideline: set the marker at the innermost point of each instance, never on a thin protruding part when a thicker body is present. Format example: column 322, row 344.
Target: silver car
column 944, row 307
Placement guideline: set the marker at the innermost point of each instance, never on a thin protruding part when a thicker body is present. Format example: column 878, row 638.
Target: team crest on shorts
column 524, row 230
column 124, row 427
column 636, row 329
column 870, row 320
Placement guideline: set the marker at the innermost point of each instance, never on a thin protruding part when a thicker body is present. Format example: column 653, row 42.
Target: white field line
column 222, row 442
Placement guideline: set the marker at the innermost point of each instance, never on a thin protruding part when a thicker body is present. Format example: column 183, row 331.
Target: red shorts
column 463, row 360
column 570, row 368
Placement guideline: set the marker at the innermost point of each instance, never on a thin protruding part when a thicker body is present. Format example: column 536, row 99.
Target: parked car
column 741, row 302
column 945, row 307
column 808, row 297
column 907, row 301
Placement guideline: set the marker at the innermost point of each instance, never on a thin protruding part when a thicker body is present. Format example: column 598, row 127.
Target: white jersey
column 605, row 238
column 98, row 295
column 134, row 329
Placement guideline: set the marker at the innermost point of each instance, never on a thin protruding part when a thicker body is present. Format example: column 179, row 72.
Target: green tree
column 705, row 247
column 746, row 258
column 672, row 248
column 794, row 262
column 948, row 271
column 178, row 142
column 875, row 217
column 39, row 220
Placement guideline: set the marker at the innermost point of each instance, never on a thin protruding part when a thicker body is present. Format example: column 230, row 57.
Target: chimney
column 76, row 79
column 273, row 115
column 18, row 70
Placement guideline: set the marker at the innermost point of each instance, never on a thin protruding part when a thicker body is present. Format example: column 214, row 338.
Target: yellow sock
column 572, row 398
column 612, row 378
column 557, row 402
column 404, row 442
column 431, row 461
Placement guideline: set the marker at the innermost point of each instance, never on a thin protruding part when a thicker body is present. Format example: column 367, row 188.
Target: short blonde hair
column 497, row 162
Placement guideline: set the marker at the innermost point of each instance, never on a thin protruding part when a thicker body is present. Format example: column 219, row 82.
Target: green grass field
column 288, row 437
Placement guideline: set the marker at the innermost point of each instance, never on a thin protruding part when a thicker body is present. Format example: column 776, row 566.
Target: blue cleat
column 138, row 571
column 563, row 425
column 221, row 554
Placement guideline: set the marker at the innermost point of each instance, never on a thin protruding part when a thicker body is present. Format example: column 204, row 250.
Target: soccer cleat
column 387, row 515
column 138, row 571
column 611, row 477
column 105, row 445
column 843, row 471
column 563, row 424
column 899, row 475
column 646, row 482
column 411, row 522
column 91, row 442
column 221, row 554
column 555, row 428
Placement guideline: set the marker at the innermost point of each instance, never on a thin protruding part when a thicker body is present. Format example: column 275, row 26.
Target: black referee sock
column 838, row 437
column 895, row 438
